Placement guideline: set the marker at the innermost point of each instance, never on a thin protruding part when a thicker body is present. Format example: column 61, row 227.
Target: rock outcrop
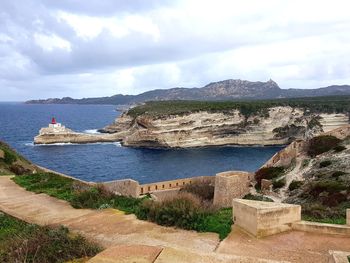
column 275, row 126
column 50, row 135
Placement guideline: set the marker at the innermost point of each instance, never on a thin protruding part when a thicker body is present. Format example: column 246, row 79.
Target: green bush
column 278, row 183
column 204, row 190
column 336, row 174
column 339, row 148
column 322, row 144
column 267, row 173
column 325, row 163
column 295, row 185
column 22, row 242
column 9, row 157
column 328, row 186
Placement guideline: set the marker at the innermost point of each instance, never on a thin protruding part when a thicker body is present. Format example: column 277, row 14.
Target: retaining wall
column 230, row 185
column 174, row 184
column 127, row 187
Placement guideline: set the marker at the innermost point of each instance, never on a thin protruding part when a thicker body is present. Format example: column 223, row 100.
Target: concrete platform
column 262, row 219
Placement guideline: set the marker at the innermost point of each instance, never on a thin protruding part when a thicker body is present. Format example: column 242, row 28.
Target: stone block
column 230, row 185
column 264, row 218
column 266, row 185
column 127, row 187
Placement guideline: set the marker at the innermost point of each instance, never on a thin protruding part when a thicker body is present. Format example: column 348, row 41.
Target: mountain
column 231, row 89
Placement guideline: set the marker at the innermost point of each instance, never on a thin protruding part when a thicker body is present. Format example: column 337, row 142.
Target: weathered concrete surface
column 293, row 246
column 108, row 227
column 322, row 228
column 128, row 254
column 230, row 185
column 127, row 187
column 339, row 256
column 264, row 218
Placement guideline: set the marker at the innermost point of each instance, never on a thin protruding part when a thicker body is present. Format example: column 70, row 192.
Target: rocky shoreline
column 275, row 126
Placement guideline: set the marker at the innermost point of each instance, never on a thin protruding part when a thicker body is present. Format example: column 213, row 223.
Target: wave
column 69, row 143
column 92, row 131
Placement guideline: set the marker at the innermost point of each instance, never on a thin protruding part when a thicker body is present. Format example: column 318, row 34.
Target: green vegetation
column 339, row 148
column 204, row 190
column 295, row 185
column 331, row 104
column 267, row 173
column 278, row 183
column 22, row 242
column 325, row 163
column 189, row 213
column 257, row 198
column 12, row 163
column 338, row 221
column 322, row 144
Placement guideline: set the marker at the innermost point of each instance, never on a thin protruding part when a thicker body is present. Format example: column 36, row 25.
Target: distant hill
column 231, row 89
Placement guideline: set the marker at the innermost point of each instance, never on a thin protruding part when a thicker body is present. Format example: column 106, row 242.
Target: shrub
column 257, row 198
column 325, row 163
column 204, row 190
column 339, row 148
column 322, row 144
column 295, row 185
column 267, row 173
column 336, row 174
column 328, row 186
column 278, row 183
column 22, row 242
column 9, row 157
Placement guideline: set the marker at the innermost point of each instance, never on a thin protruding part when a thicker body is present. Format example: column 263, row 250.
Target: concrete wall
column 322, row 228
column 285, row 156
column 125, row 187
column 264, row 218
column 174, row 184
column 230, row 185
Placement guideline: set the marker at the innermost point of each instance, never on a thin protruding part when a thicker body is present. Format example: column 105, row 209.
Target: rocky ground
column 320, row 183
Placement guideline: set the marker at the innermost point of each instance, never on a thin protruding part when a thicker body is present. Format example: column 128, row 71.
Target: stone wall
column 127, row 187
column 348, row 217
column 174, row 184
column 264, row 218
column 230, row 185
column 285, row 156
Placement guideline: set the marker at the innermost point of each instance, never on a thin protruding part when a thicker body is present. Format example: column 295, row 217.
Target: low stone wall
column 174, row 184
column 264, row 218
column 322, row 228
column 127, row 187
column 230, row 185
column 285, row 156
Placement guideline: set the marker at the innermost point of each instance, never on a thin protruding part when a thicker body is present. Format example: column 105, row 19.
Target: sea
column 101, row 162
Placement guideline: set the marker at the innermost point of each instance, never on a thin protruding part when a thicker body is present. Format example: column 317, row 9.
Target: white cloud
column 95, row 48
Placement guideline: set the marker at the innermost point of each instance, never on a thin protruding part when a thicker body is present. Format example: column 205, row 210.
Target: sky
column 79, row 48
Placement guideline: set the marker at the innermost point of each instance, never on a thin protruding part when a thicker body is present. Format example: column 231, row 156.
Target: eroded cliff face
column 275, row 126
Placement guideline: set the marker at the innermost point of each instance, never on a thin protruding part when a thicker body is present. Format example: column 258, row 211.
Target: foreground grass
column 23, row 242
column 191, row 215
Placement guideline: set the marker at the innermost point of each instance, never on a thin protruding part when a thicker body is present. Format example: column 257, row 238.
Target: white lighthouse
column 54, row 127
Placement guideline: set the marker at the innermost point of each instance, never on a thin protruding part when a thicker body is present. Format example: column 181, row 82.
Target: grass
column 193, row 215
column 338, row 221
column 23, row 242
column 330, row 104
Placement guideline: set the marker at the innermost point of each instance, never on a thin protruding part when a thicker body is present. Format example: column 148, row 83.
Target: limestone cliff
column 273, row 126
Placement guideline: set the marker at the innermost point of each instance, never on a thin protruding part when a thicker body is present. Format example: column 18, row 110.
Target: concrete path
column 292, row 246
column 108, row 227
column 128, row 239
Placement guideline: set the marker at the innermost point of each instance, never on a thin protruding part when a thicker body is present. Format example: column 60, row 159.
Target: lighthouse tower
column 54, row 123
